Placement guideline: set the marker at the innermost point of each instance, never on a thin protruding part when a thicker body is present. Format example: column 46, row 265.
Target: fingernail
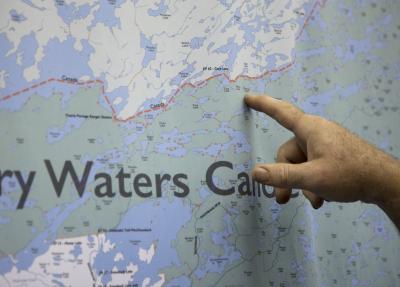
column 317, row 204
column 261, row 174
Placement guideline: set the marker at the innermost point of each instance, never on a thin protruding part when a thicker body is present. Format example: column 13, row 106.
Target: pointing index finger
column 283, row 112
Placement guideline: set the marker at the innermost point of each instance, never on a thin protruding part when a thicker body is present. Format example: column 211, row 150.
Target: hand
column 326, row 161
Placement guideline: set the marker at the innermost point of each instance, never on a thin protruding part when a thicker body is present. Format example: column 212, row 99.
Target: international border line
column 317, row 4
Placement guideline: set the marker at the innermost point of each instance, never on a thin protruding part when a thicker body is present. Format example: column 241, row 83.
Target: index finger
column 283, row 112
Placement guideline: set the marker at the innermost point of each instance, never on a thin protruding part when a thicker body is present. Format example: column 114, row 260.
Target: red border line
column 318, row 3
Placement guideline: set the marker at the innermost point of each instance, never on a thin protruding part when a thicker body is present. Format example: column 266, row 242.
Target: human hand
column 326, row 161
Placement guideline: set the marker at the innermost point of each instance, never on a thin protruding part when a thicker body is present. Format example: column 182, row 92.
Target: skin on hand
column 327, row 162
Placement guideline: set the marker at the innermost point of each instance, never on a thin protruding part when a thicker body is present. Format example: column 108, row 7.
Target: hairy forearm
column 387, row 184
column 327, row 162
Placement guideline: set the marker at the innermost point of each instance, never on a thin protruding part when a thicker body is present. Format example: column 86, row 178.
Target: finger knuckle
column 280, row 154
column 297, row 116
column 322, row 176
column 284, row 175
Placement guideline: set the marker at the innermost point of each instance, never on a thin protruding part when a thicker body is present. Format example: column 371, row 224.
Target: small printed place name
column 93, row 117
column 208, row 68
column 165, row 16
column 104, row 272
column 69, row 79
column 157, row 106
column 68, row 243
column 102, row 230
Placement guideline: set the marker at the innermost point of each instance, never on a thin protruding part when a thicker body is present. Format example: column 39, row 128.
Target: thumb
column 284, row 175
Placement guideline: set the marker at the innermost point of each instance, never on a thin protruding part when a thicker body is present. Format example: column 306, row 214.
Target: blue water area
column 237, row 139
column 197, row 42
column 150, row 50
column 29, row 3
column 62, row 59
column 316, row 104
column 55, row 134
column 4, row 220
column 14, row 79
column 51, row 214
column 180, row 78
column 210, row 46
column 70, row 12
column 250, row 29
column 311, row 52
column 121, row 92
column 231, row 48
column 106, row 14
column 133, row 133
column 8, row 185
column 229, row 256
column 180, row 281
column 351, row 89
column 41, row 243
column 17, row 17
column 11, row 193
column 204, row 192
column 171, row 143
column 171, row 149
column 165, row 218
column 272, row 60
column 226, row 4
column 76, row 251
column 27, row 48
column 161, row 9
column 353, row 48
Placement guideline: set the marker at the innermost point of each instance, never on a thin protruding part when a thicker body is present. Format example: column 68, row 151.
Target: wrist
column 388, row 191
column 382, row 184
